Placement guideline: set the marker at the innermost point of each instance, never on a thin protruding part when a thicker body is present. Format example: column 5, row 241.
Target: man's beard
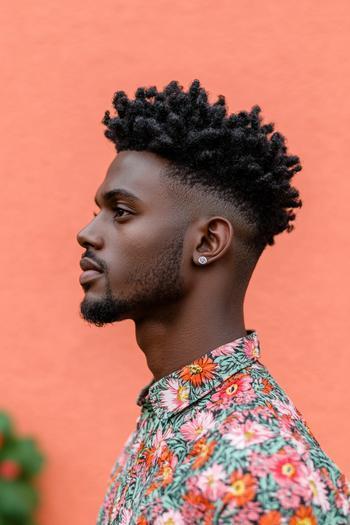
column 160, row 285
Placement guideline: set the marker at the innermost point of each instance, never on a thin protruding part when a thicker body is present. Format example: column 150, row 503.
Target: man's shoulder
column 248, row 446
column 253, row 397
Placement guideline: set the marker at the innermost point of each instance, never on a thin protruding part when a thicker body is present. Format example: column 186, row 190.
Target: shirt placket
column 146, row 427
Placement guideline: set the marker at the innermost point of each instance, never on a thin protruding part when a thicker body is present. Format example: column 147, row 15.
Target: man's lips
column 91, row 270
column 89, row 264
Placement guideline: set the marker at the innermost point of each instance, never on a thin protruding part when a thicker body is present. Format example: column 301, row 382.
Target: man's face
column 137, row 241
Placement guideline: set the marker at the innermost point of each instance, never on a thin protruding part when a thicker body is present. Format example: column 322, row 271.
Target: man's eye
column 118, row 208
column 115, row 210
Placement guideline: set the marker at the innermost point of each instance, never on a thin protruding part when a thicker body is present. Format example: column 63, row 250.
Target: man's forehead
column 136, row 171
column 127, row 163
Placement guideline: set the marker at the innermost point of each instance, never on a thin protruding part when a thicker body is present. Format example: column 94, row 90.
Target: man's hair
column 233, row 155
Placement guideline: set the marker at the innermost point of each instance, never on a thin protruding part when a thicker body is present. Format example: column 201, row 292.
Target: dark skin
column 149, row 250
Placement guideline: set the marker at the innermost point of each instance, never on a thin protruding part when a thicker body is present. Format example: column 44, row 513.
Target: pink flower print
column 318, row 489
column 251, row 349
column 342, row 493
column 299, row 445
column 342, row 502
column 197, row 508
column 286, row 407
column 175, row 396
column 264, row 412
column 134, row 449
column 108, row 505
column 225, row 349
column 287, row 467
column 286, row 425
column 126, row 517
column 197, row 426
column 139, row 470
column 116, row 508
column 288, row 497
column 237, row 388
column 160, row 441
column 172, row 517
column 231, row 420
column 249, row 514
column 192, row 484
column 158, row 506
column 258, row 464
column 249, row 433
column 210, row 482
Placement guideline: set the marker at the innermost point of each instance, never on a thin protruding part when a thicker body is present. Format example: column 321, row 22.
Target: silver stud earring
column 202, row 259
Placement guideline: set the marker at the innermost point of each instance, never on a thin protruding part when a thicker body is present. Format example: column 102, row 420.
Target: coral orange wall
column 73, row 386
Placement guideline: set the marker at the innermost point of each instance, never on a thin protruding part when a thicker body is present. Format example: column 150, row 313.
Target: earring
column 202, row 259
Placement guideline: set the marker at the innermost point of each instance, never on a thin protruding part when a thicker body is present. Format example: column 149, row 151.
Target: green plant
column 20, row 461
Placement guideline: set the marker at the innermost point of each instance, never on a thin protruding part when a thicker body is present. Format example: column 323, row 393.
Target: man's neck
column 170, row 345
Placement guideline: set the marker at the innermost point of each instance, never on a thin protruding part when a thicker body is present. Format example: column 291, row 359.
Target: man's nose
column 88, row 236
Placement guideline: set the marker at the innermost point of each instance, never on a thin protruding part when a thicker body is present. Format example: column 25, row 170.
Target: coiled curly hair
column 233, row 155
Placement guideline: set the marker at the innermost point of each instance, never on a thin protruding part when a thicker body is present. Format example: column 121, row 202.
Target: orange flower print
column 167, row 462
column 271, row 518
column 149, row 456
column 166, row 456
column 196, row 509
column 199, row 371
column 141, row 521
column 273, row 409
column 267, row 386
column 167, row 474
column 153, row 486
column 242, row 488
column 303, row 516
column 198, row 500
column 202, row 450
column 139, row 452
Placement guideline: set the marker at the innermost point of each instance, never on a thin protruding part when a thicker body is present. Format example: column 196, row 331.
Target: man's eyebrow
column 108, row 196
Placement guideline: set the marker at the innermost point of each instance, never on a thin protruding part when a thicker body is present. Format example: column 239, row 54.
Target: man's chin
column 95, row 311
column 101, row 311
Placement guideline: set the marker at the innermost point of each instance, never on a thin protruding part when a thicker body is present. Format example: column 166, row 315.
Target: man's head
column 204, row 183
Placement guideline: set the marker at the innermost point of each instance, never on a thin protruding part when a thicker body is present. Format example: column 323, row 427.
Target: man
column 187, row 206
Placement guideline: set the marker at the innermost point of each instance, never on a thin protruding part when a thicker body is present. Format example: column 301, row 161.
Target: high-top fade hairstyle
column 232, row 156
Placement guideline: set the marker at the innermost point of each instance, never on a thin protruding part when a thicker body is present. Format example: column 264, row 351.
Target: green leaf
column 17, row 500
column 25, row 452
column 6, row 428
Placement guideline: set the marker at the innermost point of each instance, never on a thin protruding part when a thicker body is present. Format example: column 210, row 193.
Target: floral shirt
column 219, row 442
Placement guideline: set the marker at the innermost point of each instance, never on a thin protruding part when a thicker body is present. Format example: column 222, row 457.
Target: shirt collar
column 181, row 388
